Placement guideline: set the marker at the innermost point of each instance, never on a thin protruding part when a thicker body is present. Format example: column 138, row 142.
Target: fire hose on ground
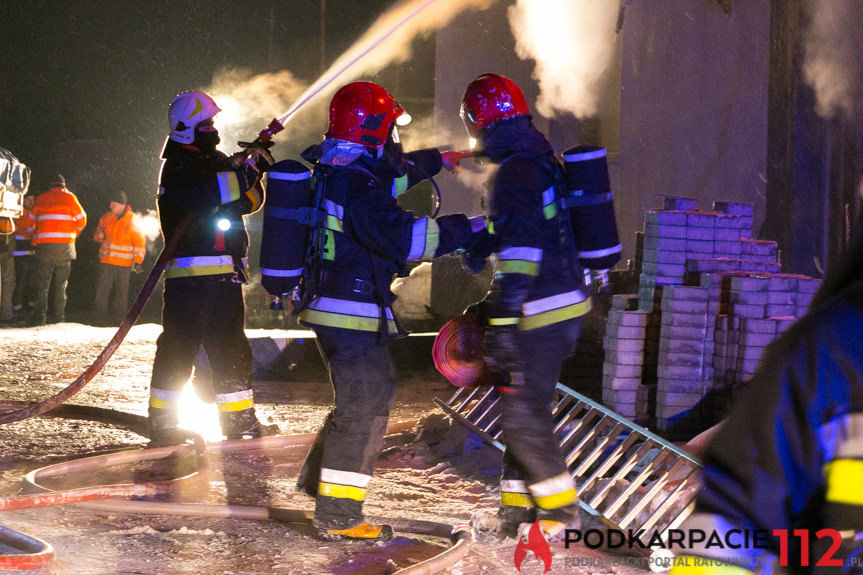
column 39, row 553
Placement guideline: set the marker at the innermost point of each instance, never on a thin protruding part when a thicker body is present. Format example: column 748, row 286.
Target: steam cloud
column 572, row 42
column 831, row 54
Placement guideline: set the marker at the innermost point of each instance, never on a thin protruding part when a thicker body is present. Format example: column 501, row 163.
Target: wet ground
column 434, row 472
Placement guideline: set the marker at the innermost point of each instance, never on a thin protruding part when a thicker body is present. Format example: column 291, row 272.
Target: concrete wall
column 692, row 94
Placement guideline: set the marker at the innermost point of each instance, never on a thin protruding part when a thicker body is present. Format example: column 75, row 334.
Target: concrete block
column 663, row 217
column 724, row 234
column 669, row 413
column 758, row 248
column 727, row 221
column 675, row 332
column 624, row 302
column 623, row 357
column 664, row 231
column 748, row 298
column 670, row 280
column 781, row 310
column 664, row 257
column 685, row 293
column 619, row 383
column 700, row 219
column 746, row 226
column 627, row 318
column 749, row 284
column 672, row 387
column 693, row 346
column 610, row 396
column 751, row 326
column 735, row 208
column 680, row 204
column 750, row 311
column 699, row 247
column 781, row 297
column 664, row 371
column 679, row 358
column 699, row 233
column 622, row 371
column 698, row 320
column 623, row 345
column 750, row 352
column 782, row 282
column 684, row 306
column 658, row 270
column 664, row 244
column 761, row 267
column 637, row 333
column 727, row 248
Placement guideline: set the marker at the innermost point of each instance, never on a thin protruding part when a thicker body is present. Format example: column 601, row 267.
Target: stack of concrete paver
column 624, row 365
column 720, row 299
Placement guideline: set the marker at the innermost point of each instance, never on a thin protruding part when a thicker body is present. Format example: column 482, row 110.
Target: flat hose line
column 460, row 536
column 60, row 397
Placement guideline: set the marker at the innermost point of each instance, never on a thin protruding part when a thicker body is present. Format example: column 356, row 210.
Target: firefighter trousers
column 534, row 473
column 208, row 311
column 351, row 439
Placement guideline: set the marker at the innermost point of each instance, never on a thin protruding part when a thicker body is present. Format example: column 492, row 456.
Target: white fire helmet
column 187, row 110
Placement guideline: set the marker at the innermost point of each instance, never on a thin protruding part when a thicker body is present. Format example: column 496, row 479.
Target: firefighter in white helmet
column 203, row 299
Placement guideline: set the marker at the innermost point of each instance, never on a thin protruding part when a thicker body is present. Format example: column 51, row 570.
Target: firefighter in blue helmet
column 365, row 239
column 788, row 461
column 203, row 196
column 534, row 306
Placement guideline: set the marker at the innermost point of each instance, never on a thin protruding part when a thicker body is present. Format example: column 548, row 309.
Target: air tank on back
column 289, row 192
column 591, row 207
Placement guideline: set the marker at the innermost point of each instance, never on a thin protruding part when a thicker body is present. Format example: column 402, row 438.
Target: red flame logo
column 537, row 544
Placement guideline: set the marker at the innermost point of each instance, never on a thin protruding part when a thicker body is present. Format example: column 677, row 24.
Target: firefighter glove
column 501, row 348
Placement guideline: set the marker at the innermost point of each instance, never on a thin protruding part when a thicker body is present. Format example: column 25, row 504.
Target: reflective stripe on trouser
column 200, row 266
column 364, row 384
column 532, row 453
column 208, row 312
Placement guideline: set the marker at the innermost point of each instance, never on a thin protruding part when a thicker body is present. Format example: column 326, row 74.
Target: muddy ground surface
column 434, row 471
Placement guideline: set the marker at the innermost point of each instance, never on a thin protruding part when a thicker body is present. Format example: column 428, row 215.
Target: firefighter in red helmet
column 534, row 306
column 203, row 196
column 365, row 238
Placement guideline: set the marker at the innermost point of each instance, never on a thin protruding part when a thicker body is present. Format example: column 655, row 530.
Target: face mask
column 206, row 141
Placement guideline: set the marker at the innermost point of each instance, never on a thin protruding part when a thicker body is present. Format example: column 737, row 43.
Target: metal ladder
column 602, row 450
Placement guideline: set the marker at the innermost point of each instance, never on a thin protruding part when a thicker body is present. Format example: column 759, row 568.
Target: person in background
column 121, row 251
column 58, row 220
column 22, row 299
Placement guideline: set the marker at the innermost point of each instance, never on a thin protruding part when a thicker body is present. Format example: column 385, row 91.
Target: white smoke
column 148, row 223
column 249, row 101
column 832, row 49
column 572, row 42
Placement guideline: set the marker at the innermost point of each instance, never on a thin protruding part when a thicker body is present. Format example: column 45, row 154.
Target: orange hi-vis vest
column 123, row 243
column 59, row 217
column 23, row 233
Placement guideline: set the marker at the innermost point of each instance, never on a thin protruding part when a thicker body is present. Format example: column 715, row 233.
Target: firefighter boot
column 310, row 473
column 362, row 532
column 162, row 428
column 244, row 425
column 511, row 517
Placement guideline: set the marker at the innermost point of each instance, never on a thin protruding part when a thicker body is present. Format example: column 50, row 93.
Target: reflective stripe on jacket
column 24, row 233
column 123, row 243
column 58, row 216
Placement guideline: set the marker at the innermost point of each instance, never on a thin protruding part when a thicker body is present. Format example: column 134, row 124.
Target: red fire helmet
column 363, row 112
column 490, row 98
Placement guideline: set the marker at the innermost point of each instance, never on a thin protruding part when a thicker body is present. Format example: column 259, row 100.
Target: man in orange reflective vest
column 122, row 251
column 59, row 220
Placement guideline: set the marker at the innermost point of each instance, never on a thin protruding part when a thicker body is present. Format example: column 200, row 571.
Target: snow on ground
column 443, row 475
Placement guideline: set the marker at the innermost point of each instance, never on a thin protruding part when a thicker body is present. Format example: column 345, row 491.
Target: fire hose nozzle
column 274, row 127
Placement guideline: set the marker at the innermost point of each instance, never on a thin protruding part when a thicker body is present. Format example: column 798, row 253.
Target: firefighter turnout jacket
column 57, row 217
column 367, row 238
column 788, row 461
column 122, row 241
column 217, row 195
column 536, row 282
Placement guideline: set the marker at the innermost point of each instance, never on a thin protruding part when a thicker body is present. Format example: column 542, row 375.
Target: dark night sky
column 85, row 86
